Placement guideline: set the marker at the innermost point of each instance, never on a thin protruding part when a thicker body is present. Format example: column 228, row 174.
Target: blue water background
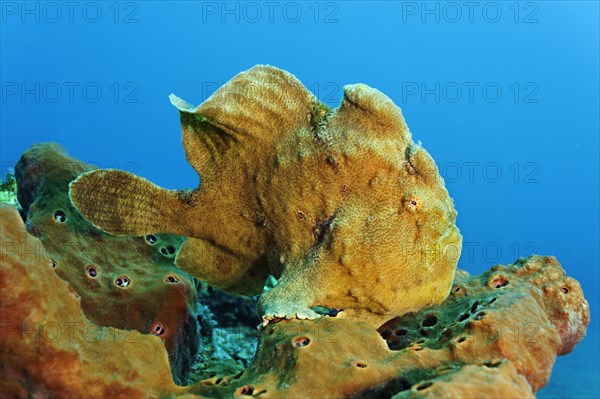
column 519, row 152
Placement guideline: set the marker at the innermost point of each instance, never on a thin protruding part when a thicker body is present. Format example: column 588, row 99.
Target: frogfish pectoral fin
column 221, row 268
column 121, row 203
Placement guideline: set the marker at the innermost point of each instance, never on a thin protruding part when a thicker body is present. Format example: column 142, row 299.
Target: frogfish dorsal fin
column 254, row 108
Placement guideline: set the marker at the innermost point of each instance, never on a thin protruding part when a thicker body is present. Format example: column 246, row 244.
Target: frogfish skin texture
column 341, row 206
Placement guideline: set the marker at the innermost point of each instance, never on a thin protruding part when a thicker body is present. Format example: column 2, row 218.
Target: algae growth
column 8, row 189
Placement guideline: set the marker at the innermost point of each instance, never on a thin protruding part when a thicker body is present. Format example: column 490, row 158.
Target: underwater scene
column 299, row 199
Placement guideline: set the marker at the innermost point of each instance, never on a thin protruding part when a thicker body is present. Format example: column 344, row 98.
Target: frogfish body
column 341, row 206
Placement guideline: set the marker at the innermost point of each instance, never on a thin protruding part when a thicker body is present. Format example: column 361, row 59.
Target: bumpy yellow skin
column 340, row 205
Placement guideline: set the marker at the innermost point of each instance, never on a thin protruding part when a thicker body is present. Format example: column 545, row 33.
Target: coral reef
column 330, row 202
column 49, row 348
column 122, row 282
column 319, row 211
column 496, row 335
column 8, row 189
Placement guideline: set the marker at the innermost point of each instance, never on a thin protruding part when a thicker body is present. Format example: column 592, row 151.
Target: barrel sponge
column 496, row 334
column 105, row 271
column 49, row 348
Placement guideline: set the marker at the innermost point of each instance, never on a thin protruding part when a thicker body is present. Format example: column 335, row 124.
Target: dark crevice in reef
column 415, row 378
column 435, row 329
column 385, row 391
column 229, row 335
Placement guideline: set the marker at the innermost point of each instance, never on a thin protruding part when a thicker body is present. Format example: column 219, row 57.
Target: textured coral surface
column 49, row 348
column 331, row 202
column 496, row 335
column 123, row 282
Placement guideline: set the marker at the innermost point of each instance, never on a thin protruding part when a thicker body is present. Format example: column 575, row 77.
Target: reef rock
column 49, row 348
column 331, row 202
column 123, row 282
column 496, row 335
